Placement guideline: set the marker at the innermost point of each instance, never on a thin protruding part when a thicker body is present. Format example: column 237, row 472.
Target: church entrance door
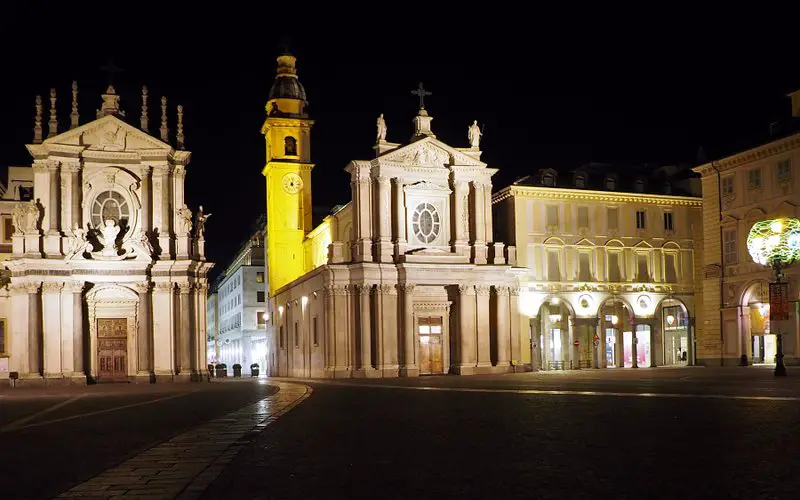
column 430, row 346
column 112, row 349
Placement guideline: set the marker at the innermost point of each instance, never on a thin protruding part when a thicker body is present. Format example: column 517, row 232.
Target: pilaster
column 483, row 329
column 363, row 221
column 503, row 327
column 161, row 214
column 163, row 323
column 479, row 243
column 487, row 207
column 74, row 292
column 400, row 236
column 513, row 305
column 461, row 218
column 466, row 331
column 144, row 339
column 35, row 341
column 383, row 244
column 20, row 311
column 184, row 331
column 365, row 368
column 388, row 361
column 52, row 238
column 408, row 366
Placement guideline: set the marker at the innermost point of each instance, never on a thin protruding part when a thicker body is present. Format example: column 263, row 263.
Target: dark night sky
column 552, row 90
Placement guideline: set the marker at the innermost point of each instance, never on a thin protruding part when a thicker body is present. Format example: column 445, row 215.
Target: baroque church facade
column 405, row 278
column 108, row 273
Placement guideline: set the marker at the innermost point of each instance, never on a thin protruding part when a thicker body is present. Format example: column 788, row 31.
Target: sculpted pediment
column 429, row 152
column 108, row 133
column 426, row 186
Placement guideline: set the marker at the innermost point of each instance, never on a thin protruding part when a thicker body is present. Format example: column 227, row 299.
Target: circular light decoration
column 644, row 301
column 774, row 241
column 585, row 301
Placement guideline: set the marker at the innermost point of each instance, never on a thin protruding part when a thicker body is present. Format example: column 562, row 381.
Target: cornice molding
column 546, row 193
column 751, row 155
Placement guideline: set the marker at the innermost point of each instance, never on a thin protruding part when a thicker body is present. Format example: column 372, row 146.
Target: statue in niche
column 381, row 129
column 474, row 134
column 200, row 223
column 185, row 216
column 109, row 232
column 144, row 242
column 25, row 216
column 289, row 146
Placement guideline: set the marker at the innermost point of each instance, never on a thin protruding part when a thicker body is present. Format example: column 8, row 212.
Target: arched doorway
column 616, row 325
column 754, row 325
column 677, row 346
column 555, row 334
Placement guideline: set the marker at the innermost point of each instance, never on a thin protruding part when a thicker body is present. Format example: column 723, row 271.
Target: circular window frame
column 124, row 203
column 418, row 223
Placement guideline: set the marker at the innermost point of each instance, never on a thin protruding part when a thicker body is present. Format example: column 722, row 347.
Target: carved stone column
column 182, row 238
column 383, row 244
column 503, row 326
column 409, row 366
column 70, row 197
column 161, row 213
column 365, row 362
column 75, row 288
column 147, row 202
column 483, row 329
column 386, row 335
column 163, row 321
column 400, row 237
column 487, row 203
column 479, row 242
column 20, row 311
column 144, row 341
column 516, row 348
column 634, row 345
column 362, row 219
column 184, row 331
column 52, row 239
column 461, row 218
column 466, row 330
column 35, row 341
column 329, row 335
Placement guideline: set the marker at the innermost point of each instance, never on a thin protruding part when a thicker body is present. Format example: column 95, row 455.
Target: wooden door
column 112, row 349
column 431, row 346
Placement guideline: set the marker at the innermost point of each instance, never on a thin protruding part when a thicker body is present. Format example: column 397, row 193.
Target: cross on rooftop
column 421, row 93
column 111, row 69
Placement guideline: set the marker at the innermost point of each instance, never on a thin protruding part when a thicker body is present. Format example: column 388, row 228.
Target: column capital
column 363, row 288
column 145, row 170
column 142, row 287
column 164, row 286
column 385, row 289
column 184, row 288
column 502, row 290
column 514, row 291
column 406, row 288
column 72, row 167
column 75, row 286
column 161, row 169
column 53, row 165
column 466, row 289
column 50, row 287
column 331, row 290
column 482, row 289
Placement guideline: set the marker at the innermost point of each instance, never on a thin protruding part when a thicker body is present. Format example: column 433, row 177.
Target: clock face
column 292, row 183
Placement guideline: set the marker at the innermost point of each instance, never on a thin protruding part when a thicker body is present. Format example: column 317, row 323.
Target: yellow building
column 609, row 265
column 739, row 191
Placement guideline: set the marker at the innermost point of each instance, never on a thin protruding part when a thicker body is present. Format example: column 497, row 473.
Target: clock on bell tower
column 287, row 131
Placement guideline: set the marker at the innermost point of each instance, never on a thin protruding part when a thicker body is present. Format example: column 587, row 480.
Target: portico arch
column 555, row 328
column 616, row 319
column 109, row 307
column 754, row 330
column 677, row 335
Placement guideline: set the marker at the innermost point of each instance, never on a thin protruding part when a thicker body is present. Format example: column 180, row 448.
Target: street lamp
column 776, row 243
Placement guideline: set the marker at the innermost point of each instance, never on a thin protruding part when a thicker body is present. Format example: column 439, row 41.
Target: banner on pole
column 778, row 302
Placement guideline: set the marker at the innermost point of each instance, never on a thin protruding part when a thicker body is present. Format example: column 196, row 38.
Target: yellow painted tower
column 287, row 131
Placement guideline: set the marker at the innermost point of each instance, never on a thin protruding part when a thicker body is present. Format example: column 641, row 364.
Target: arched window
column 580, row 181
column 110, row 205
column 426, row 223
column 611, row 183
column 289, row 146
column 548, row 180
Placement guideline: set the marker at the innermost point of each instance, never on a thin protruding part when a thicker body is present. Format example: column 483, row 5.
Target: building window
column 580, row 181
column 259, row 277
column 611, row 183
column 110, row 205
column 613, row 267
column 670, row 276
column 552, row 216
column 553, row 270
column 8, row 229
column 754, row 178
column 668, row 221
column 784, row 170
column 3, row 338
column 638, row 186
column 289, row 146
column 727, row 186
column 583, row 217
column 584, row 267
column 314, row 330
column 260, row 296
column 642, row 273
column 729, row 255
column 282, row 337
column 640, row 219
column 261, row 320
column 613, row 219
column 426, row 223
column 548, row 180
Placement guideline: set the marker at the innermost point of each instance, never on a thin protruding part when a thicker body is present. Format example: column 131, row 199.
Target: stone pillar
column 161, row 212
column 619, row 346
column 184, row 332
column 634, row 345
column 51, row 322
column 503, row 326
column 602, row 361
column 400, row 237
column 461, row 218
column 655, row 343
column 329, row 335
column 483, row 329
column 536, row 357
column 70, row 197
column 52, row 239
column 479, row 243
column 77, row 196
column 365, row 363
column 182, row 238
column 572, row 359
column 20, row 312
column 487, row 198
column 409, row 367
column 68, row 331
column 34, row 330
column 147, row 201
column 388, row 331
column 547, row 341
column 362, row 217
column 163, row 340
column 516, row 346
column 466, row 330
column 338, row 337
column 144, row 341
column 383, row 244
column 78, row 331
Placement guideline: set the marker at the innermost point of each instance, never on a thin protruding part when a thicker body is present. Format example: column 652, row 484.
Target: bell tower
column 287, row 131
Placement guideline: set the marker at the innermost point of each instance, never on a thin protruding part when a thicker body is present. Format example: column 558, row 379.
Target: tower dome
column 287, row 85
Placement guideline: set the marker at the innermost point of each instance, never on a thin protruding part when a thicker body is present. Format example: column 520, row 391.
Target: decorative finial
column 73, row 117
column 144, row 124
column 164, row 129
column 110, row 104
column 52, row 125
column 37, row 127
column 179, row 137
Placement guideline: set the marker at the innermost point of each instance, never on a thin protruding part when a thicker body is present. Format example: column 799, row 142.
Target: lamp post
column 776, row 243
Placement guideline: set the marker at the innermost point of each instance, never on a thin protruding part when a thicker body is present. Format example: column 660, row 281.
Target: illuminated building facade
column 738, row 192
column 610, row 266
column 108, row 279
column 404, row 279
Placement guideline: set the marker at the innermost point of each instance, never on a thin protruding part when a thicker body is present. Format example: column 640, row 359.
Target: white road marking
column 546, row 392
column 19, row 423
column 89, row 414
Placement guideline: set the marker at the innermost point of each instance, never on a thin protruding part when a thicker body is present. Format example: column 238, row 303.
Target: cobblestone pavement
column 584, row 435
column 185, row 465
column 55, row 438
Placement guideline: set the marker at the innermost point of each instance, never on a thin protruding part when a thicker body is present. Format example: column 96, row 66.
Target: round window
column 110, row 205
column 426, row 223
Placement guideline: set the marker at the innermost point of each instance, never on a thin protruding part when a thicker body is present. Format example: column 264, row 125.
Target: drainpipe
column 721, row 262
